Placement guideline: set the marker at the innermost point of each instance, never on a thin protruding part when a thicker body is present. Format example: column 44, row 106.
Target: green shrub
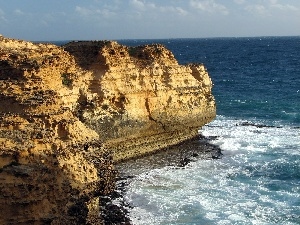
column 66, row 79
column 132, row 51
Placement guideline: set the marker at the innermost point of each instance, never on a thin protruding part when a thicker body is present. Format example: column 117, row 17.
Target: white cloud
column 181, row 11
column 173, row 9
column 2, row 16
column 94, row 13
column 113, row 5
column 19, row 12
column 142, row 5
column 137, row 4
column 257, row 9
column 209, row 6
column 286, row 7
column 151, row 7
column 83, row 11
column 267, row 7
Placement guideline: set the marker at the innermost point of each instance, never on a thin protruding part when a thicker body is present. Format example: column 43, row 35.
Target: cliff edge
column 67, row 113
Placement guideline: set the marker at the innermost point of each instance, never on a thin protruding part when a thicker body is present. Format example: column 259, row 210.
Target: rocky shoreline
column 115, row 208
column 70, row 113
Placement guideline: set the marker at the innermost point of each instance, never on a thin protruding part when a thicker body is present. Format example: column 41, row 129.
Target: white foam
column 236, row 189
column 233, row 136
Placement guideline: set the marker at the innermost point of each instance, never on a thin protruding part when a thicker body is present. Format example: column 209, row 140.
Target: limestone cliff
column 139, row 99
column 66, row 113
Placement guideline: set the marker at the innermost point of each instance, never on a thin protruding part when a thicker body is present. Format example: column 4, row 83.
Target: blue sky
column 130, row 19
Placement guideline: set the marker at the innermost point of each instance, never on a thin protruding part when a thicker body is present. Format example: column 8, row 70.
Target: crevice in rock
column 149, row 114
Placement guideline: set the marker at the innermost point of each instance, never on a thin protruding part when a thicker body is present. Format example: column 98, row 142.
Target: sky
column 53, row 20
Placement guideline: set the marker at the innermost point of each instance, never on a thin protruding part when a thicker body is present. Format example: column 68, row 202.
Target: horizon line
column 131, row 39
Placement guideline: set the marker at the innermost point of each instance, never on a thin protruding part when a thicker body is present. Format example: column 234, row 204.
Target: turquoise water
column 257, row 181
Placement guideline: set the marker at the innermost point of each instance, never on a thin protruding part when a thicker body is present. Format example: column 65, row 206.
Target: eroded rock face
column 140, row 99
column 52, row 166
column 67, row 113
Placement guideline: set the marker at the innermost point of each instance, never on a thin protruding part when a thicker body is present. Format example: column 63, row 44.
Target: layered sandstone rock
column 52, row 167
column 66, row 112
column 140, row 99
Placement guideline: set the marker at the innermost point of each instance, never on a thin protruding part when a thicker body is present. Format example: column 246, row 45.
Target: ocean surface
column 257, row 181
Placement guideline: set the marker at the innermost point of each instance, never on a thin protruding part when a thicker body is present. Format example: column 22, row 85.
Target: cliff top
column 112, row 53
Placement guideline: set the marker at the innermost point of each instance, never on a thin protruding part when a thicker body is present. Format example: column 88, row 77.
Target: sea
column 257, row 127
column 257, row 180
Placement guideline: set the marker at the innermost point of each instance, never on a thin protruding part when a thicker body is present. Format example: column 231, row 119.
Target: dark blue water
column 257, row 90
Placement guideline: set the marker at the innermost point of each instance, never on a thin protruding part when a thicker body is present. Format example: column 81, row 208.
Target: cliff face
column 52, row 167
column 65, row 113
column 139, row 99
